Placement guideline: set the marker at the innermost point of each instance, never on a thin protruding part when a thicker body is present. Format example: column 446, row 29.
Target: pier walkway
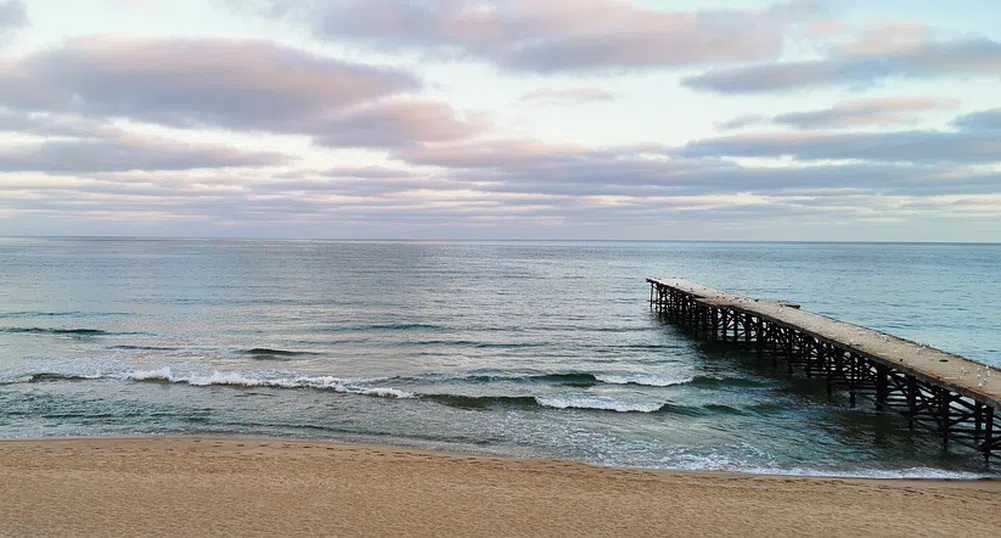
column 958, row 398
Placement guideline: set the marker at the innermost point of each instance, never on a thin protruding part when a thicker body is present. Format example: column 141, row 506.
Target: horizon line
column 492, row 240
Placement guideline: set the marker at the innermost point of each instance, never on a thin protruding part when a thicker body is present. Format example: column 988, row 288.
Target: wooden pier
column 953, row 396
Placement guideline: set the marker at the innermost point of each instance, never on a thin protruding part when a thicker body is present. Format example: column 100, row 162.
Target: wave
column 599, row 403
column 703, row 381
column 647, row 380
column 266, row 353
column 230, row 379
column 44, row 314
column 571, row 379
column 583, row 402
column 236, row 379
column 128, row 347
column 43, row 377
column 362, row 386
column 478, row 402
column 469, row 343
column 44, row 330
column 385, row 327
column 30, row 314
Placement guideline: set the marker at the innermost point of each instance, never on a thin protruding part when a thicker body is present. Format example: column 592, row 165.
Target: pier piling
column 937, row 391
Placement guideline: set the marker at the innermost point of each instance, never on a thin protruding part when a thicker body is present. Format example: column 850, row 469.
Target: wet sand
column 268, row 487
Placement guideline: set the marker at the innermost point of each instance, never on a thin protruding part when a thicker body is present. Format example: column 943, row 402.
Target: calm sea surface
column 531, row 349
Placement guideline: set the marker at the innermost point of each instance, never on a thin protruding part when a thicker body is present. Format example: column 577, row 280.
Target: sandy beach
column 269, row 487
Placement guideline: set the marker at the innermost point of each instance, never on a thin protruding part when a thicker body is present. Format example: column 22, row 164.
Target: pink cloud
column 395, row 122
column 860, row 112
column 558, row 35
column 233, row 83
column 886, row 38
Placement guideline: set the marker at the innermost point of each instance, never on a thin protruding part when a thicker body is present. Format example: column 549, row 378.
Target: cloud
column 230, row 83
column 366, row 172
column 886, row 38
column 397, row 122
column 126, row 153
column 983, row 120
column 568, row 96
column 742, row 121
column 556, row 35
column 975, row 56
column 526, row 166
column 234, row 84
column 47, row 125
column 507, row 188
column 77, row 145
column 864, row 112
column 964, row 147
column 13, row 15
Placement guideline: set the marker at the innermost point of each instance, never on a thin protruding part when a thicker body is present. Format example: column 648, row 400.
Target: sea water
column 536, row 349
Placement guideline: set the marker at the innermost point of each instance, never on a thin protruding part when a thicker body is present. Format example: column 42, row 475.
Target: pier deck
column 941, row 391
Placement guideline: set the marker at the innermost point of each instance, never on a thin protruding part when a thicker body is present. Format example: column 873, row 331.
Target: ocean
column 533, row 349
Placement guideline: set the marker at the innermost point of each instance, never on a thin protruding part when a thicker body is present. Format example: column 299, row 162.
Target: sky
column 826, row 120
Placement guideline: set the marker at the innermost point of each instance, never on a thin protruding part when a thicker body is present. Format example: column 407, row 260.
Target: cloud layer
column 874, row 112
column 964, row 147
column 490, row 118
column 242, row 85
column 67, row 145
column 973, row 56
column 556, row 35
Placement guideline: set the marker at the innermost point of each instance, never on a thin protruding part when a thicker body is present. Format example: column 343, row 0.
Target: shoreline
column 208, row 484
column 479, row 453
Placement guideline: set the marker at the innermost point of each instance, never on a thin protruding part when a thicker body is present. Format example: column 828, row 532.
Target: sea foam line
column 231, row 379
column 236, row 379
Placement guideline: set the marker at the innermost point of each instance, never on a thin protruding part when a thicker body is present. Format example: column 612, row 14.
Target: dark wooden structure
column 958, row 398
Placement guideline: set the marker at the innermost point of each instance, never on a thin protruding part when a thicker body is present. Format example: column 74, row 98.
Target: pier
column 944, row 393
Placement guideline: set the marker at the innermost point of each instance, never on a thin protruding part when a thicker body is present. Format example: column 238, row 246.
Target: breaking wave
column 574, row 400
column 584, row 402
column 232, row 379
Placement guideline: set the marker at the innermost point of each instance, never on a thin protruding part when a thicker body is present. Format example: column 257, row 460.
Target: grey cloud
column 539, row 190
column 367, row 172
column 532, row 167
column 229, row 83
column 13, row 15
column 235, row 84
column 71, row 144
column 963, row 147
column 397, row 122
column 985, row 119
column 863, row 112
column 742, row 121
column 126, row 153
column 979, row 56
column 54, row 126
column 556, row 35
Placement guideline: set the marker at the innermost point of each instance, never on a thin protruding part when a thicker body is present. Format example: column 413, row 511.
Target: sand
column 268, row 487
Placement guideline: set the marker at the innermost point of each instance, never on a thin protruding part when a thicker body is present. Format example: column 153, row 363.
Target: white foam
column 649, row 380
column 162, row 374
column 240, row 379
column 720, row 463
column 603, row 403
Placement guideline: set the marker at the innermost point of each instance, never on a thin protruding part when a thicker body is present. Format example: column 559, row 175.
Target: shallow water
column 525, row 348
